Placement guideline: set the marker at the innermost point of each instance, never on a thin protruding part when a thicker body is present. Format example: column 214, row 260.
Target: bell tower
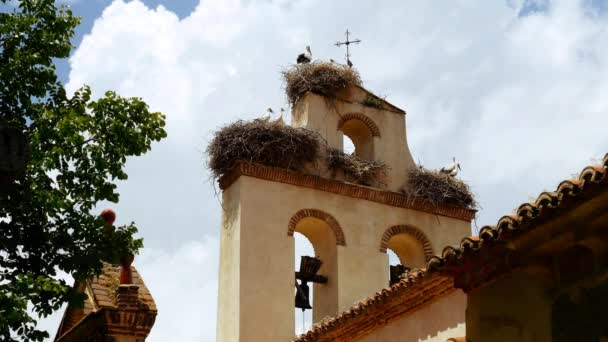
column 351, row 226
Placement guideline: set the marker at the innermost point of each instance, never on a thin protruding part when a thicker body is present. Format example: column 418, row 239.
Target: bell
column 396, row 272
column 302, row 296
column 309, row 266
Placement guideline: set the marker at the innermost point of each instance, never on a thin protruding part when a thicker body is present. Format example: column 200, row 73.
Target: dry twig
column 361, row 171
column 438, row 189
column 264, row 142
column 318, row 77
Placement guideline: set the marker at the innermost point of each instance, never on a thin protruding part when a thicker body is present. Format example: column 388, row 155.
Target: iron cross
column 347, row 43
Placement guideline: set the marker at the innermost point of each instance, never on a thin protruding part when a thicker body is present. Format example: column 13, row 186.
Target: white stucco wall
column 435, row 322
column 256, row 267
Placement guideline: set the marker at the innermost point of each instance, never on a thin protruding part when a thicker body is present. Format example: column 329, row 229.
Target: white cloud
column 518, row 99
column 184, row 286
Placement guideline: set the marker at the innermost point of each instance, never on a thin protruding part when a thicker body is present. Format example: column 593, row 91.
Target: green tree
column 79, row 146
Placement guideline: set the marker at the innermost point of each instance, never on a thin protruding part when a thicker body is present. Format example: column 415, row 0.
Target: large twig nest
column 325, row 78
column 366, row 172
column 438, row 189
column 264, row 142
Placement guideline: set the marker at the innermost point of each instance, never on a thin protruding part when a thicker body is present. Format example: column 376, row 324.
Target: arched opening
column 407, row 248
column 316, row 234
column 303, row 247
column 393, row 259
column 348, row 146
column 361, row 136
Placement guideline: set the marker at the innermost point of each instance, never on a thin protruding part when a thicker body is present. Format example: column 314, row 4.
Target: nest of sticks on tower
column 365, row 172
column 325, row 78
column 261, row 141
column 438, row 189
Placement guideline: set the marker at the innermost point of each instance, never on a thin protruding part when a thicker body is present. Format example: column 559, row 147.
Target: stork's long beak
column 458, row 165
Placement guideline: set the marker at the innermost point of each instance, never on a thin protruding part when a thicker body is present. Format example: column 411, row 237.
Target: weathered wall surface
column 229, row 275
column 515, row 307
column 323, row 115
column 257, row 270
column 435, row 322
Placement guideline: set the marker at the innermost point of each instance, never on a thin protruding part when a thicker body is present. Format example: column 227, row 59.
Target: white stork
column 305, row 57
column 452, row 169
column 280, row 120
column 266, row 118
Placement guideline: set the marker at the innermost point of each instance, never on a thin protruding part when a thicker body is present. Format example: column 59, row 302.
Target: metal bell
column 396, row 272
column 303, row 296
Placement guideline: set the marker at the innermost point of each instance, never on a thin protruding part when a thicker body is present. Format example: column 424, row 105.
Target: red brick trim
column 413, row 292
column 330, row 220
column 394, row 199
column 365, row 119
column 416, row 233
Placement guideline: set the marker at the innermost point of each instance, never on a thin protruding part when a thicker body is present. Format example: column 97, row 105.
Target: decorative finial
column 347, row 43
column 108, row 215
column 126, row 276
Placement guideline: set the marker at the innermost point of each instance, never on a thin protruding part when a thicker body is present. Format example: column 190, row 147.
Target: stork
column 266, row 118
column 452, row 169
column 306, row 57
column 349, row 63
column 280, row 121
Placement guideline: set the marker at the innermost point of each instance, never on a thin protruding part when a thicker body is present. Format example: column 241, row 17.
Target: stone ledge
column 341, row 188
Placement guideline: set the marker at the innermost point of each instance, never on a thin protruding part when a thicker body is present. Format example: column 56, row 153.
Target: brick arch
column 363, row 118
column 321, row 215
column 414, row 232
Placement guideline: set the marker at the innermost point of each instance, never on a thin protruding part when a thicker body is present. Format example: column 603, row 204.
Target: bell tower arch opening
column 411, row 249
column 348, row 146
column 361, row 131
column 324, row 234
column 303, row 247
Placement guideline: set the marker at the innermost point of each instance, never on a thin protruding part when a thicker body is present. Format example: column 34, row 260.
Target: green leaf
column 79, row 148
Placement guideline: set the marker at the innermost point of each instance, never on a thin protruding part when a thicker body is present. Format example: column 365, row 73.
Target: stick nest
column 264, row 142
column 319, row 77
column 361, row 171
column 439, row 189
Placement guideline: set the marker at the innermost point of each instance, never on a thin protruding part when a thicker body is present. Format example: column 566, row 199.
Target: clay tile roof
column 415, row 289
column 457, row 339
column 100, row 293
column 104, row 287
column 455, row 260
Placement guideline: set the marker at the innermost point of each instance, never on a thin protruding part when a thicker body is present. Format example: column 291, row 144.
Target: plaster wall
column 515, row 307
column 435, row 322
column 229, row 274
column 256, row 269
column 322, row 115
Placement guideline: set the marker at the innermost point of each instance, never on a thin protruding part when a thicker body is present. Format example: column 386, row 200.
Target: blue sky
column 515, row 90
column 89, row 10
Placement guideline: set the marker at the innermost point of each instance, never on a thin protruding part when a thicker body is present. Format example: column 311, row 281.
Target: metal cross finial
column 347, row 43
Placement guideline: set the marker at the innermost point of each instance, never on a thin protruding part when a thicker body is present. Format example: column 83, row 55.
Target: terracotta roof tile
column 453, row 261
column 104, row 287
column 101, row 294
column 415, row 289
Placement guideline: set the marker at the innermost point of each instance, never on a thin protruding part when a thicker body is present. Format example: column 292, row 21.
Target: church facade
column 350, row 226
column 539, row 274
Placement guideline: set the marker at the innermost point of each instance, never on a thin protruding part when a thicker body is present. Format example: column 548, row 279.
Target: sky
column 514, row 89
